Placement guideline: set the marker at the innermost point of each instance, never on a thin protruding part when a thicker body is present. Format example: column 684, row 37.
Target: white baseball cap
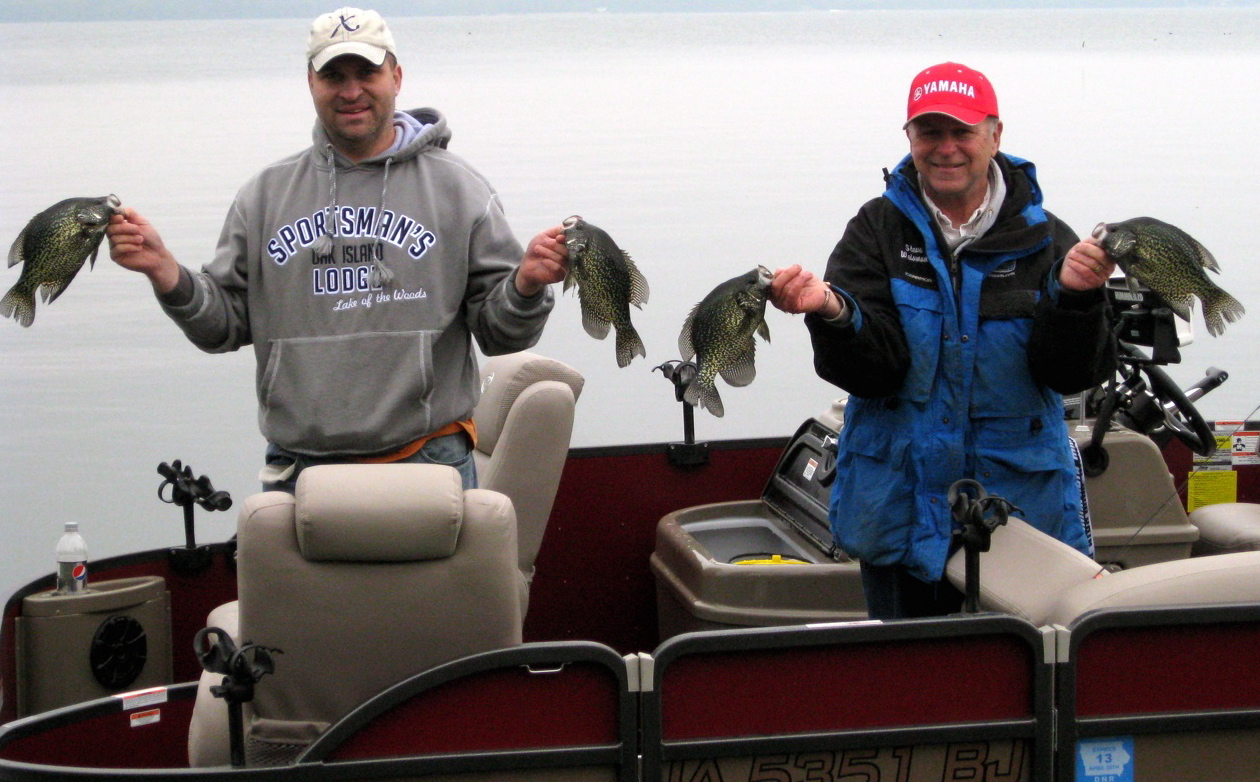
column 349, row 31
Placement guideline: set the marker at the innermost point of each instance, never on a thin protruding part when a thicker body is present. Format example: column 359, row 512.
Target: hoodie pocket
column 356, row 394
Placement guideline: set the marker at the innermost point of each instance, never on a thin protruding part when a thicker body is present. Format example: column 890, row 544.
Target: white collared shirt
column 981, row 220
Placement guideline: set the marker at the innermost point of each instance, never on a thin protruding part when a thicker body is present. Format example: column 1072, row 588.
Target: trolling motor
column 187, row 491
column 978, row 514
column 241, row 668
column 688, row 453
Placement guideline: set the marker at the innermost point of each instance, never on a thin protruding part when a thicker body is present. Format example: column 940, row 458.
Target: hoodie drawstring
column 382, row 275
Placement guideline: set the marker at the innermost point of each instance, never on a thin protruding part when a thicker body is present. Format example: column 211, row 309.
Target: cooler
column 757, row 563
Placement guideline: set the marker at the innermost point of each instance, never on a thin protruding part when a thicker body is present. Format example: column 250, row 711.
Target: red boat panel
column 155, row 737
column 593, row 582
column 496, row 710
column 1149, row 670
column 847, row 687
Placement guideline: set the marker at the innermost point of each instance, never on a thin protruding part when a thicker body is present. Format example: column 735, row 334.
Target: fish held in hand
column 52, row 248
column 719, row 333
column 1172, row 264
column 608, row 282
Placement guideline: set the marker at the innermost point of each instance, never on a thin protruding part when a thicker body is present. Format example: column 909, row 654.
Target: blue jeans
column 892, row 593
column 454, row 450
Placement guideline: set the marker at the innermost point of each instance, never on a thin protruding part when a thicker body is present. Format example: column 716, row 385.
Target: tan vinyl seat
column 1031, row 575
column 368, row 575
column 1226, row 528
column 524, row 423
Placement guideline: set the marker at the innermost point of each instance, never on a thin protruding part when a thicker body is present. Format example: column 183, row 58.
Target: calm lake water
column 705, row 143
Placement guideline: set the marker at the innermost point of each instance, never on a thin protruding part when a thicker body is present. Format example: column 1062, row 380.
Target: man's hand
column 135, row 244
column 1086, row 266
column 546, row 261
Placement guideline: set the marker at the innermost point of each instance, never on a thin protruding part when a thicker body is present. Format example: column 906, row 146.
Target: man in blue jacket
column 955, row 311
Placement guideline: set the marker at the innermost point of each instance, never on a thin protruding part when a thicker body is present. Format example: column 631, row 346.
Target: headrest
column 503, row 378
column 378, row 512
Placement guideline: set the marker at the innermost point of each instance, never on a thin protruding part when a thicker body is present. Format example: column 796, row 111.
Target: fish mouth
column 764, row 277
column 570, row 222
column 1100, row 231
column 96, row 217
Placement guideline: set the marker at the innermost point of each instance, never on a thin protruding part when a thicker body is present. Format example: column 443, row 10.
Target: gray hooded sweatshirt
column 361, row 287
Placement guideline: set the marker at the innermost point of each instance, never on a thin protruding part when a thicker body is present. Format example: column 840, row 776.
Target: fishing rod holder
column 688, row 453
column 242, row 668
column 187, row 491
column 976, row 515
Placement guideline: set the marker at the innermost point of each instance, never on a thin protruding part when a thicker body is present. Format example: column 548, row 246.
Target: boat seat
column 524, row 422
column 367, row 575
column 1031, row 575
column 1226, row 528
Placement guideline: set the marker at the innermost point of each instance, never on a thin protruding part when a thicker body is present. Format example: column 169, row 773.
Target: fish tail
column 629, row 345
column 702, row 393
column 19, row 305
column 1218, row 308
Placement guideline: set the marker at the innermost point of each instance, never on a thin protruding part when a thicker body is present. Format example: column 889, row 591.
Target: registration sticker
column 1104, row 760
column 811, row 467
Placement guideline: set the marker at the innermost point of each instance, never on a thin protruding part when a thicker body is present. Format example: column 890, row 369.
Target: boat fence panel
column 558, row 707
column 145, row 729
column 1160, row 694
column 955, row 698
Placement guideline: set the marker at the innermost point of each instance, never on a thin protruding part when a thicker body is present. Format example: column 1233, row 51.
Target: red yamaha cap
column 952, row 89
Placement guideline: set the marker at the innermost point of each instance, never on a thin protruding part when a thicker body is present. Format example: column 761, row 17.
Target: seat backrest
column 369, row 574
column 1031, row 575
column 1213, row 580
column 524, row 423
column 1023, row 571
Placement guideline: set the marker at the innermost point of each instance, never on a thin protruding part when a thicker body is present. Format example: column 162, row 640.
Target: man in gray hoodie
column 360, row 269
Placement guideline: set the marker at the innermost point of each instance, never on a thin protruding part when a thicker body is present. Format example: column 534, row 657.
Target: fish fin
column 743, row 370
column 15, row 252
column 18, row 305
column 638, row 283
column 1182, row 306
column 92, row 257
column 49, row 291
column 596, row 326
column 569, row 281
column 764, row 331
column 1206, row 258
column 629, row 345
column 685, row 346
column 702, row 394
column 1219, row 308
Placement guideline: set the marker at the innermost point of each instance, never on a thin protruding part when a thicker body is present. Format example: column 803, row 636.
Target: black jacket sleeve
column 1071, row 347
column 867, row 357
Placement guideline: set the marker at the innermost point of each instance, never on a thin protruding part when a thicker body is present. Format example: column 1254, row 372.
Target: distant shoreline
column 19, row 11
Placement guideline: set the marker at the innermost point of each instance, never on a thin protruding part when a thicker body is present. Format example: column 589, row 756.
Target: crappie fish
column 52, row 248
column 608, row 282
column 719, row 333
column 1171, row 263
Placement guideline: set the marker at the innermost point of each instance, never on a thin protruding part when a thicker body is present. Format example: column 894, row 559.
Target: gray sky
column 124, row 10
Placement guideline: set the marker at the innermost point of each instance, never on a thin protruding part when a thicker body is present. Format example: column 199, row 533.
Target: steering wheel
column 1153, row 399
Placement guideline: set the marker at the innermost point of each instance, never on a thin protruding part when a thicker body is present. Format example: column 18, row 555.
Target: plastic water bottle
column 71, row 561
